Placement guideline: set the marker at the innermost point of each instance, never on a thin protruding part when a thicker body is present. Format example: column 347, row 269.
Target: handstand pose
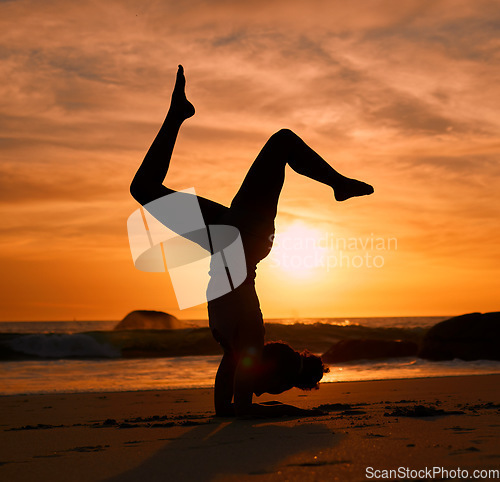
column 248, row 365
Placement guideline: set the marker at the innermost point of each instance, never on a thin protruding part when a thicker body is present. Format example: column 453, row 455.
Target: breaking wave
column 317, row 338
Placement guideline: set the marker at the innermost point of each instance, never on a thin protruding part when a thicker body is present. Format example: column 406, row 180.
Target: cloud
column 404, row 94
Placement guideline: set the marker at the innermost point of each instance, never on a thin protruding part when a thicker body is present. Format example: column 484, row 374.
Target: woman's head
column 285, row 368
column 311, row 371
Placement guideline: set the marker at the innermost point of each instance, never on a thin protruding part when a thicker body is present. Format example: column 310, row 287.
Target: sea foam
column 62, row 346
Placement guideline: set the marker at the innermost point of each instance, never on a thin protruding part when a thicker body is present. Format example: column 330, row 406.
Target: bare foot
column 179, row 105
column 348, row 188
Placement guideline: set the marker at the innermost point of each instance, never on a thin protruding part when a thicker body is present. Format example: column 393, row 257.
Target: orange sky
column 404, row 95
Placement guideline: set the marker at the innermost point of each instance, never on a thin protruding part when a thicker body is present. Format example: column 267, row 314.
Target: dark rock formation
column 474, row 336
column 149, row 320
column 368, row 349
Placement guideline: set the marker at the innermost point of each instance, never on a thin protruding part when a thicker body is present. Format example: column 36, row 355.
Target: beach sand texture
column 173, row 435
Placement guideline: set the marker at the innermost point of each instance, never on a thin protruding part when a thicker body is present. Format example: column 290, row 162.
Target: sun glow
column 296, row 250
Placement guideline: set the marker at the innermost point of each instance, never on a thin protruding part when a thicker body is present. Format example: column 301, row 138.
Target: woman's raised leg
column 260, row 190
column 147, row 184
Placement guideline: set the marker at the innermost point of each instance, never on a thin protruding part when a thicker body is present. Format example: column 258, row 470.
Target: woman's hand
column 227, row 411
column 277, row 409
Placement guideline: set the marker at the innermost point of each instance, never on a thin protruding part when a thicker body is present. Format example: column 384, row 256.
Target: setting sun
column 262, row 237
column 394, row 96
column 296, row 250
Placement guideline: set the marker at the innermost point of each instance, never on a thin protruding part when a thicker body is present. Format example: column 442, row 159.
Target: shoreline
column 396, row 377
column 173, row 434
column 209, row 387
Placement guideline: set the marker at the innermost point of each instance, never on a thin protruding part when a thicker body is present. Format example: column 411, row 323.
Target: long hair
column 311, row 371
column 303, row 370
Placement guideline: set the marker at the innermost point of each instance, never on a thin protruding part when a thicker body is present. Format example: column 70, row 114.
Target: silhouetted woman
column 248, row 365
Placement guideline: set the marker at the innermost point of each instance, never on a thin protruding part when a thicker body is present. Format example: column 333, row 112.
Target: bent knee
column 282, row 140
column 283, row 137
column 285, row 134
column 141, row 193
column 145, row 193
column 136, row 190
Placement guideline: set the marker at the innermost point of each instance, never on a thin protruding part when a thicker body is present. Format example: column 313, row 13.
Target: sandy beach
column 414, row 424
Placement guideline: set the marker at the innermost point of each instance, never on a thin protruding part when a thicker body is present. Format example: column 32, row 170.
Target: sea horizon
column 88, row 356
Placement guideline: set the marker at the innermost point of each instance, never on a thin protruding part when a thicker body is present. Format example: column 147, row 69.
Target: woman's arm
column 244, row 382
column 224, row 386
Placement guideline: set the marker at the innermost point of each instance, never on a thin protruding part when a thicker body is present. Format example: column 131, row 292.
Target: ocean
column 89, row 356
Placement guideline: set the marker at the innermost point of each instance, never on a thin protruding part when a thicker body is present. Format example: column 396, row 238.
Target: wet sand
column 172, row 435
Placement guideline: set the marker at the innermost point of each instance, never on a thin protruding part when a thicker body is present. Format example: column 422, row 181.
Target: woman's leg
column 262, row 186
column 147, row 184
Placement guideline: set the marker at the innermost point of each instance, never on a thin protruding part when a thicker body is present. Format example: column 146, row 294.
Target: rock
column 474, row 336
column 347, row 350
column 150, row 320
